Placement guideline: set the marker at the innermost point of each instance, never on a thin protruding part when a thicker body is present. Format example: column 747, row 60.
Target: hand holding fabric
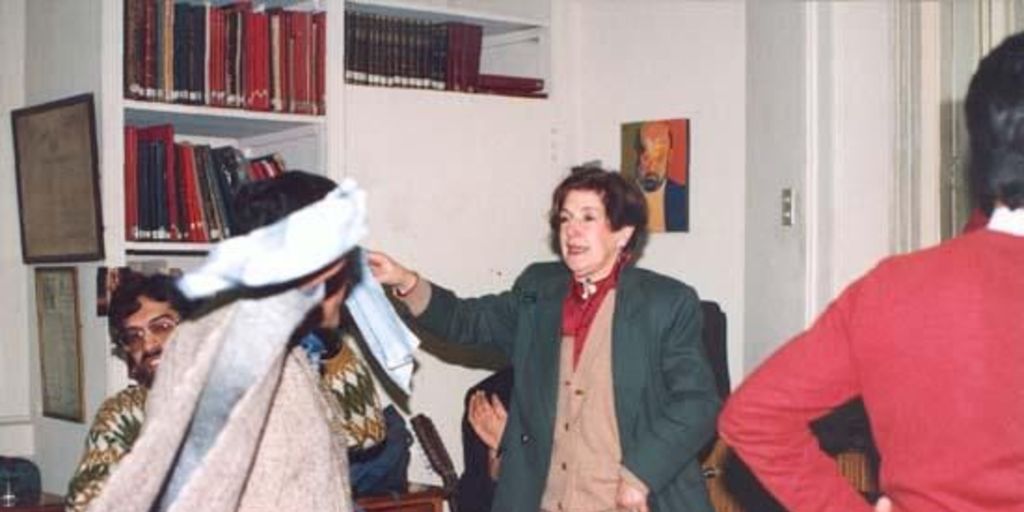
column 389, row 272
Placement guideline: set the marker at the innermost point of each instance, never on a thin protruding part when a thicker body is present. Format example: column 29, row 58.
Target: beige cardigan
column 275, row 452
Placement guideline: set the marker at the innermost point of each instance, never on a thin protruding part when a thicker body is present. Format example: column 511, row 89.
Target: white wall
column 657, row 59
column 774, row 263
column 62, row 59
column 458, row 190
column 16, row 436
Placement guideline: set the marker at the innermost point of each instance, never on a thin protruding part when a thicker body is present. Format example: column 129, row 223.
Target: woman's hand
column 389, row 272
column 631, row 498
column 488, row 418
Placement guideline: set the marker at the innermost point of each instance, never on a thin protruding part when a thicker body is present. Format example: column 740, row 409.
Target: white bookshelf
column 303, row 140
column 215, row 121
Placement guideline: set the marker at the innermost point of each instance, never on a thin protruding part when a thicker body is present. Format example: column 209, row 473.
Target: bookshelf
column 300, row 138
column 303, row 140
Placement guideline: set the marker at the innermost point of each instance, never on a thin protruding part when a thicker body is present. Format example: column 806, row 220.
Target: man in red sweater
column 932, row 341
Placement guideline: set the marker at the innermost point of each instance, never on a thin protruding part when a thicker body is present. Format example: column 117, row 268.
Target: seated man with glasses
column 144, row 311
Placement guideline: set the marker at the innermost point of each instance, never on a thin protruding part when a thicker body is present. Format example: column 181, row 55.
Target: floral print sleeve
column 111, row 436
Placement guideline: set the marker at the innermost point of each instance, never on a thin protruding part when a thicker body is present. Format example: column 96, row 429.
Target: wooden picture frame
column 60, row 348
column 58, row 181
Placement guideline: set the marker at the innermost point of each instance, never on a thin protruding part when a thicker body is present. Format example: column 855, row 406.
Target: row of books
column 403, row 52
column 234, row 55
column 183, row 192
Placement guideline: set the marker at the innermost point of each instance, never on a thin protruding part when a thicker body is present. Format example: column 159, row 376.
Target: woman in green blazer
column 613, row 395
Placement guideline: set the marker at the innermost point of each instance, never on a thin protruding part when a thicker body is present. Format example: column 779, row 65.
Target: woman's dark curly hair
column 624, row 204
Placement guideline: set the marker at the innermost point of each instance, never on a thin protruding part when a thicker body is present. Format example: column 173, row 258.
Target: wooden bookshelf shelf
column 215, row 121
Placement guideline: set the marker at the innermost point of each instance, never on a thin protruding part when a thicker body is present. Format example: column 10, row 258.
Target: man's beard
column 141, row 372
column 650, row 181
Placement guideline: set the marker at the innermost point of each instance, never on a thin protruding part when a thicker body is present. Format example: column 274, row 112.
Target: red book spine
column 131, row 188
column 215, row 66
column 474, row 45
column 524, row 84
column 320, row 69
column 133, row 13
column 263, row 61
column 248, row 63
column 149, row 51
column 186, row 183
column 303, row 51
column 195, row 196
column 453, row 57
column 288, row 60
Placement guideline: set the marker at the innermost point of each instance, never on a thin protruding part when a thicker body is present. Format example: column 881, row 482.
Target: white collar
column 1006, row 220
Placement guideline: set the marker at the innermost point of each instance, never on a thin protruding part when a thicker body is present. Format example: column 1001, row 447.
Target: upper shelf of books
column 242, row 68
column 493, row 24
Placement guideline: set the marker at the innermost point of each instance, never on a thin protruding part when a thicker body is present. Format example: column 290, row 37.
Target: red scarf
column 578, row 312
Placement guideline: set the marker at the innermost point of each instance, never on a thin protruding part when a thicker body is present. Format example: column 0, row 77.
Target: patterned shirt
column 111, row 436
column 346, row 380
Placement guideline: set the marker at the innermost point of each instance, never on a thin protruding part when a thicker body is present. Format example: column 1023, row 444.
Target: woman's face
column 588, row 244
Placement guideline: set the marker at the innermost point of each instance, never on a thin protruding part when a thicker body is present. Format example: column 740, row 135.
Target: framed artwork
column 656, row 154
column 60, row 350
column 58, row 181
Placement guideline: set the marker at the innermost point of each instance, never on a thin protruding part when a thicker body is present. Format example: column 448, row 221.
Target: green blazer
column 665, row 398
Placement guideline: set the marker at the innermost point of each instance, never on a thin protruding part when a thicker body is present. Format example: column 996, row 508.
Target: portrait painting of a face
column 656, row 155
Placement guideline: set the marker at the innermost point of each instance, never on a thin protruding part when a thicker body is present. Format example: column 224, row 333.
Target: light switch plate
column 787, row 207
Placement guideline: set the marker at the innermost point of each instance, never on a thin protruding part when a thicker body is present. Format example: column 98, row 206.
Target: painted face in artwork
column 589, row 246
column 144, row 335
column 655, row 149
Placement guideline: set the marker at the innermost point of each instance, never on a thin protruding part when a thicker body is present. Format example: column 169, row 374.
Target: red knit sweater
column 934, row 343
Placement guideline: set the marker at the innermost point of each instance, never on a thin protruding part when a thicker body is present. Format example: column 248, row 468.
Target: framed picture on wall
column 60, row 350
column 656, row 155
column 58, row 181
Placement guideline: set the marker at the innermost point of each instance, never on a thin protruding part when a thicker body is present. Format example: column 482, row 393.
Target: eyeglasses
column 159, row 328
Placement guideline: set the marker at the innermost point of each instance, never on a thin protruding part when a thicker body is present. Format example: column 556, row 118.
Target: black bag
column 19, row 477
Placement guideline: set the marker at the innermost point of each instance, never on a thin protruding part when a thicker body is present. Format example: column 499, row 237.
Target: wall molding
column 15, row 419
column 818, row 155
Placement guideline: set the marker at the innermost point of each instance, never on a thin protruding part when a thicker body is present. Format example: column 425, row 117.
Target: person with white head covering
column 235, row 420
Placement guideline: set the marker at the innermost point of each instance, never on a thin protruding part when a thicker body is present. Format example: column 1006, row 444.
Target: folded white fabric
column 388, row 338
column 297, row 245
column 301, row 243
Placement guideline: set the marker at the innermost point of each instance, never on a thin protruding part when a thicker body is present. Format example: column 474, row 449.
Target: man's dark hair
column 133, row 285
column 264, row 202
column 995, row 125
column 624, row 204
